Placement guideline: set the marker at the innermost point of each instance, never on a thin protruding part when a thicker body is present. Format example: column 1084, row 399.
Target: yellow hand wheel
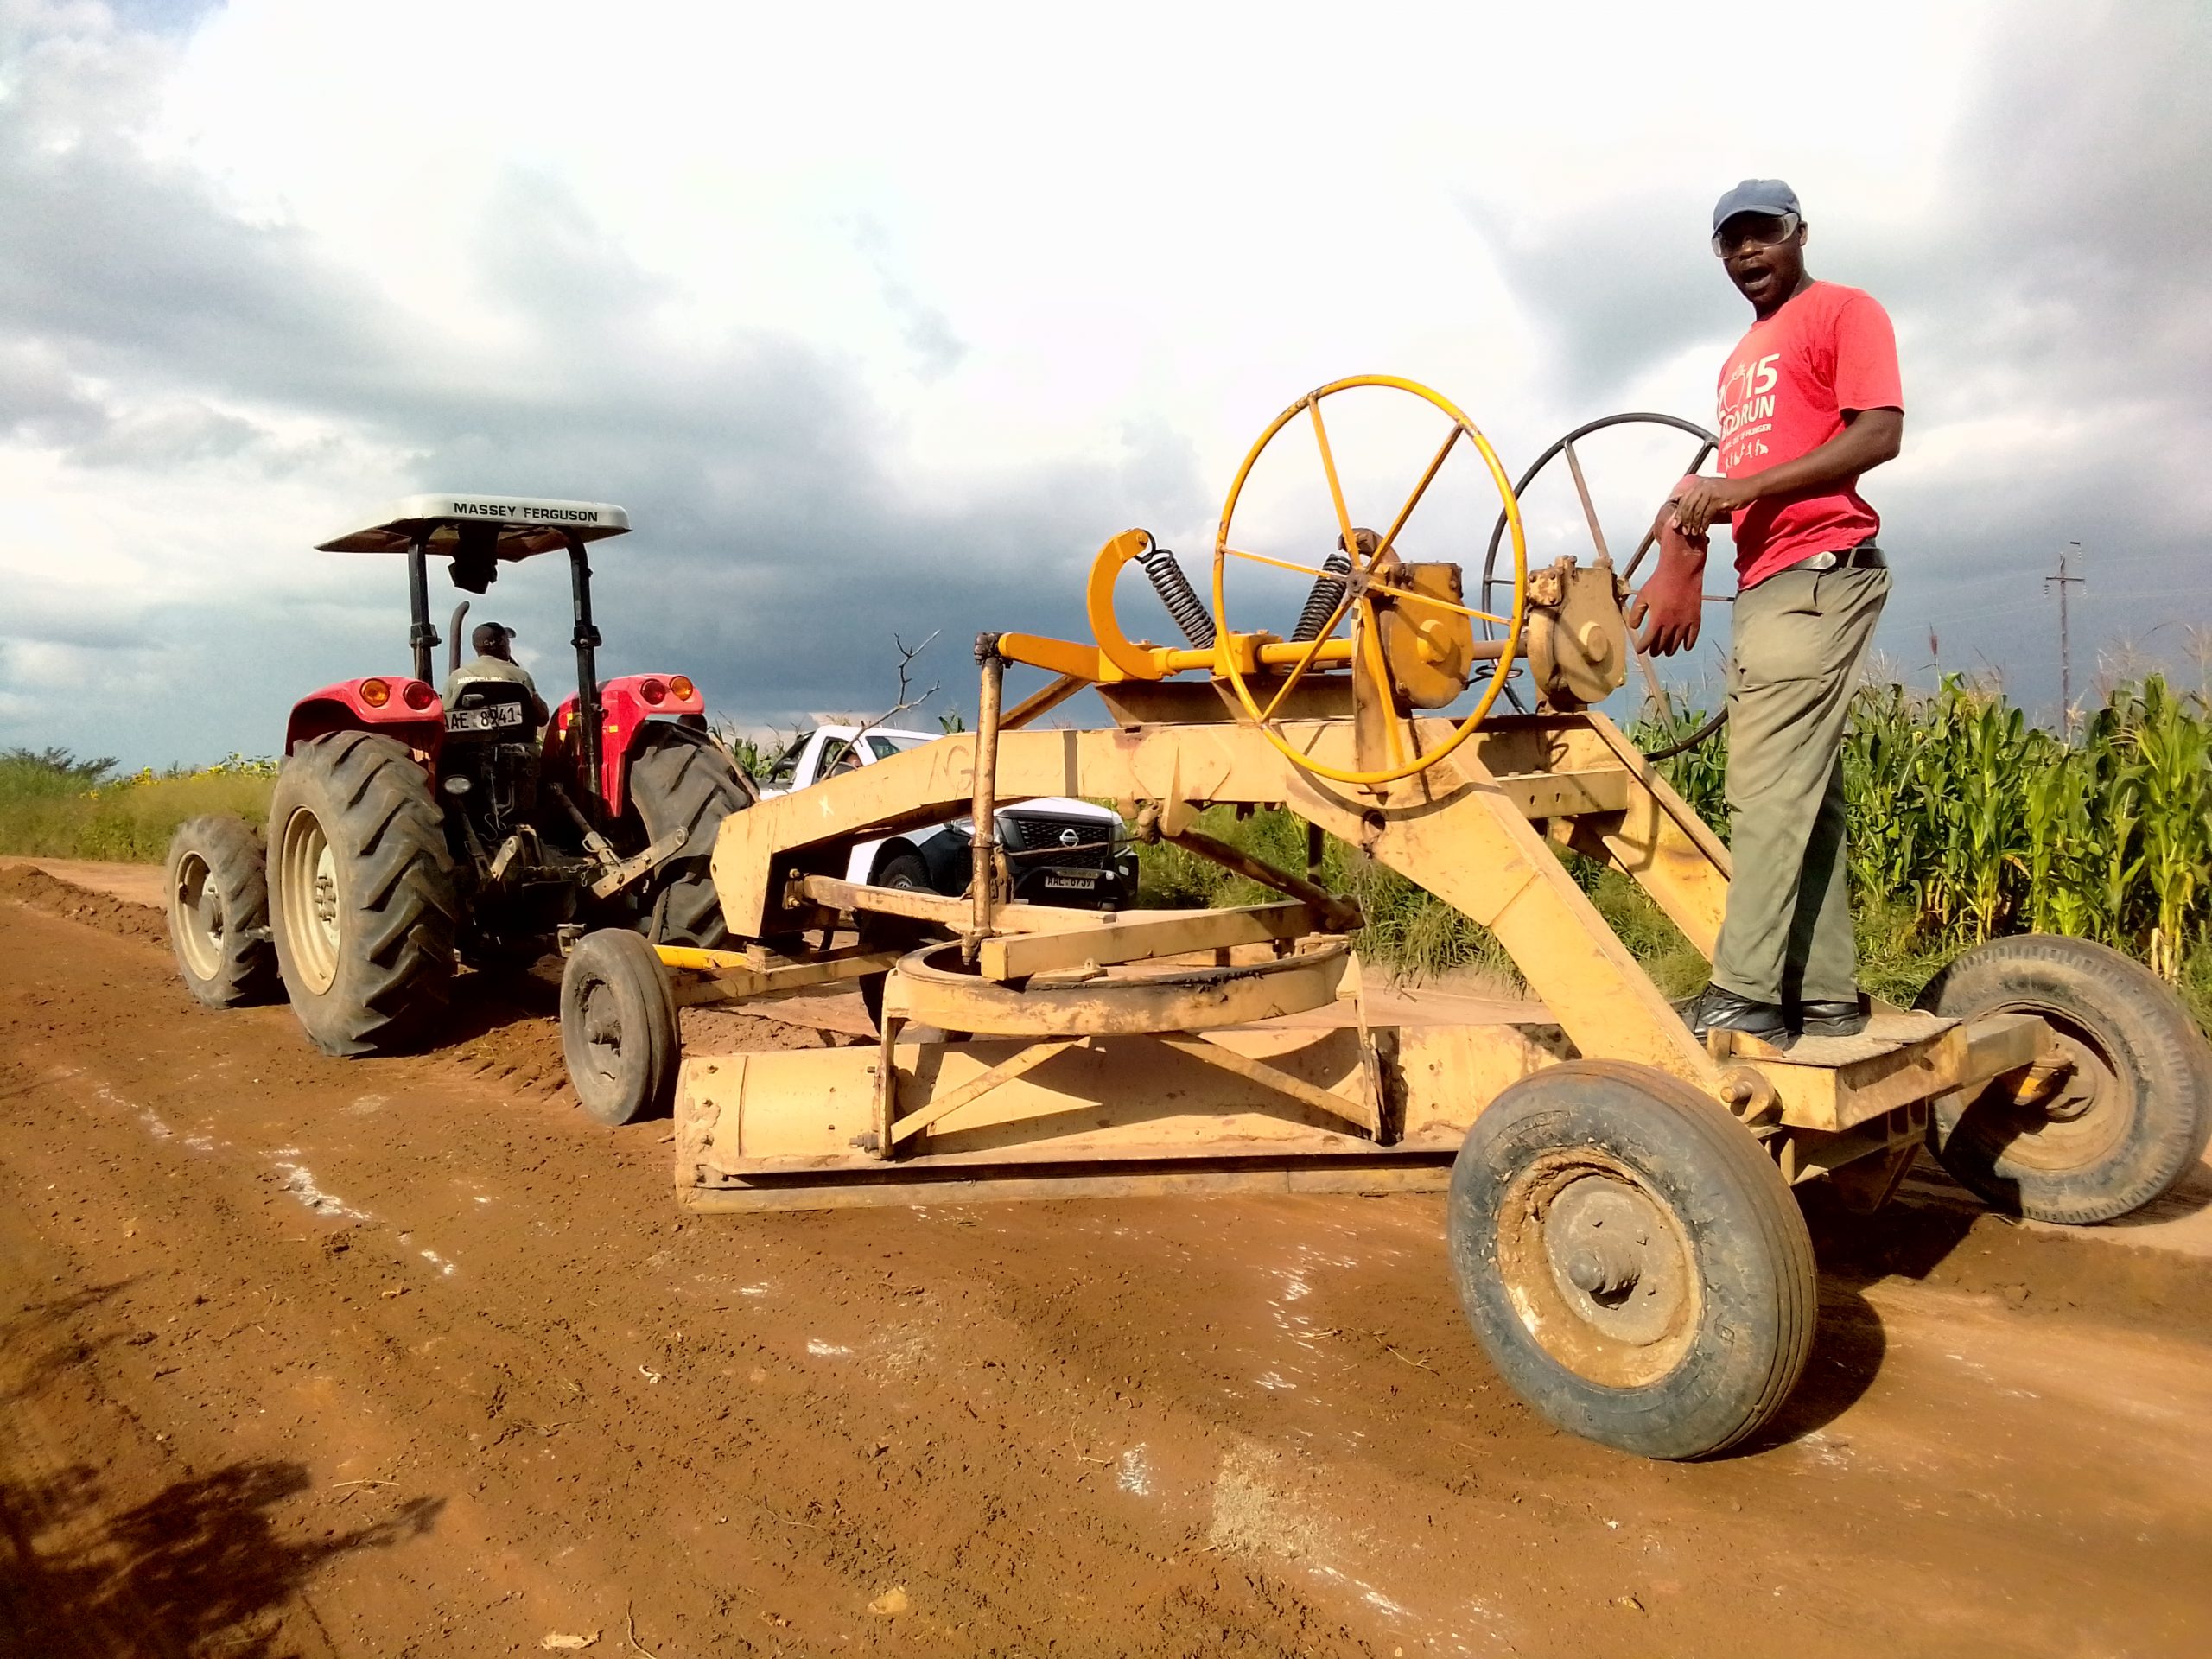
column 1373, row 562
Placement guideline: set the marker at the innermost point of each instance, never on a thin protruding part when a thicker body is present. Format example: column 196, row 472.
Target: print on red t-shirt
column 1782, row 394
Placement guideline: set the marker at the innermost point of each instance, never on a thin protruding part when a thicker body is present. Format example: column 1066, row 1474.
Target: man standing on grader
column 1809, row 399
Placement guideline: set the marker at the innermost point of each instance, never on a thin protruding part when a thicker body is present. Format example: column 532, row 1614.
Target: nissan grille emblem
column 1069, row 837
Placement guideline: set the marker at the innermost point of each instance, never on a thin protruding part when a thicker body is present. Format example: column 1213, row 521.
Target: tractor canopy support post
column 422, row 633
column 589, row 719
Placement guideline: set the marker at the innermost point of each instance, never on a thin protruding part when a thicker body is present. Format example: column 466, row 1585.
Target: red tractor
column 408, row 834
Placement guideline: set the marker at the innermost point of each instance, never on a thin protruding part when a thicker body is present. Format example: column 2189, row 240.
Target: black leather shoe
column 1832, row 1018
column 1726, row 1011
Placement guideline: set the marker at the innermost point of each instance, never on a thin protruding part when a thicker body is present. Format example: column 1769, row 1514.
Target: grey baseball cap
column 1770, row 196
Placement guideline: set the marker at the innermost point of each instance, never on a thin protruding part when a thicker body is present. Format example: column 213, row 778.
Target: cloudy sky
column 880, row 319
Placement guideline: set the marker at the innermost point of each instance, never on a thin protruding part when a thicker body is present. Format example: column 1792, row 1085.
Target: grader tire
column 1678, row 1332
column 217, row 882
column 361, row 894
column 2129, row 1123
column 680, row 779
column 619, row 1031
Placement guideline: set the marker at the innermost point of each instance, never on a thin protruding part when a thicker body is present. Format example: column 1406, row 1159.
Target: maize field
column 1984, row 824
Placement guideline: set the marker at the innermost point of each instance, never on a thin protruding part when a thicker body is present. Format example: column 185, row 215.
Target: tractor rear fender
column 393, row 704
column 627, row 703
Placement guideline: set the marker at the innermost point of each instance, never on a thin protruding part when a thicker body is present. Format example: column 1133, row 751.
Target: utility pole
column 2062, row 581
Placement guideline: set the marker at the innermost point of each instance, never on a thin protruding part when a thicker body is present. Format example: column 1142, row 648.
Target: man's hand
column 1699, row 501
column 1671, row 606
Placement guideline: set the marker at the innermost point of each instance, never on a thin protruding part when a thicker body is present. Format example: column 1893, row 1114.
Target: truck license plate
column 1074, row 883
column 484, row 720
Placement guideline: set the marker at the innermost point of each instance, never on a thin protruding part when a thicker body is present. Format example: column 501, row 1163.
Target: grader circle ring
column 1362, row 579
column 1565, row 446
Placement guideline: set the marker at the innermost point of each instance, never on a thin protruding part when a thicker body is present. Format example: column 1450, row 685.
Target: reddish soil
column 304, row 1357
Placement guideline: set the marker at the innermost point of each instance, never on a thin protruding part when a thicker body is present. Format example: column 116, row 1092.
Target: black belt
column 1865, row 556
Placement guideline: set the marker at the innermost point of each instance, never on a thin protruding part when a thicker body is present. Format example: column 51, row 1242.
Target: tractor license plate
column 484, row 720
column 1083, row 881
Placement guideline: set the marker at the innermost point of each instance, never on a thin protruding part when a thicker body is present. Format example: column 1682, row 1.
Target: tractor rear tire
column 619, row 1031
column 1630, row 1259
column 361, row 893
column 682, row 779
column 2130, row 1120
column 217, row 880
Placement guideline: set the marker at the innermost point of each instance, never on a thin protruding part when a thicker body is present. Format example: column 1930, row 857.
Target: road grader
column 1622, row 1227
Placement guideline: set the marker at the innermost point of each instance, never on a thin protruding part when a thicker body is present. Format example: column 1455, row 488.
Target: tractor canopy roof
column 519, row 526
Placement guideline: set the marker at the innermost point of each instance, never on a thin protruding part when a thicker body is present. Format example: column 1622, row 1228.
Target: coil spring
column 1175, row 592
column 1321, row 603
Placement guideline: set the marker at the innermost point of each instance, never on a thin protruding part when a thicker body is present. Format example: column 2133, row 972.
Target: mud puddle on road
column 1158, row 1427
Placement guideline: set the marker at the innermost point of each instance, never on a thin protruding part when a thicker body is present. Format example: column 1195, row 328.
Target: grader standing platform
column 1623, row 1233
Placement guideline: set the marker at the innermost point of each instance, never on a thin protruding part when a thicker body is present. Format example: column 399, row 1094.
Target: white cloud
column 879, row 315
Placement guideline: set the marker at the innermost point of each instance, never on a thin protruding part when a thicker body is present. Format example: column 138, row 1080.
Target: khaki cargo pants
column 1800, row 639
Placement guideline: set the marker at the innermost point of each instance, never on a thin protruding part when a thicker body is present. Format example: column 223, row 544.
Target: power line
column 2062, row 581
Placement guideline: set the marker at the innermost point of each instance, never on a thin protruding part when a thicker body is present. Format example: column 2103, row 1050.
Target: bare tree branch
column 907, row 699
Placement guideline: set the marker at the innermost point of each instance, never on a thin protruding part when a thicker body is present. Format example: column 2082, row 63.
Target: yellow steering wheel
column 1369, row 559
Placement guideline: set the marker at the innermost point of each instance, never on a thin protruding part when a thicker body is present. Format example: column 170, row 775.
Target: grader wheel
column 2130, row 1108
column 1373, row 560
column 1564, row 449
column 1630, row 1259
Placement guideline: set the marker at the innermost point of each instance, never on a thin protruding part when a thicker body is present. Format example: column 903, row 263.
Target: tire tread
column 405, row 907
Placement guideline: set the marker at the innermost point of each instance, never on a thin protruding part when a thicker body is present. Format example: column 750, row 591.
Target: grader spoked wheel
column 1564, row 448
column 1356, row 608
column 1630, row 1259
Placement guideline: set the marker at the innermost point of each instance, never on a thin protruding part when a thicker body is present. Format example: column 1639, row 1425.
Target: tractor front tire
column 618, row 1030
column 2129, row 1121
column 361, row 893
column 217, row 882
column 1630, row 1259
column 681, row 780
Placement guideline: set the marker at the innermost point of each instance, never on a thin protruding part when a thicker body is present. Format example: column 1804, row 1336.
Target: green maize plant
column 2170, row 747
column 1698, row 775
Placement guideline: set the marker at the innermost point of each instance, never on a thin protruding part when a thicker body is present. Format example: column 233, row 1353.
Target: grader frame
column 1336, row 1101
column 1621, row 1226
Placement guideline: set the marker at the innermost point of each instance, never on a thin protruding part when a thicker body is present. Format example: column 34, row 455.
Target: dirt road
column 408, row 1357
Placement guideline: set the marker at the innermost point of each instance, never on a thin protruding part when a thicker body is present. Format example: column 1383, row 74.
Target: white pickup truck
column 1061, row 851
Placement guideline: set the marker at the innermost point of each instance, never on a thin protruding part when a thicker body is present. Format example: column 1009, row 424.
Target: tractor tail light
column 418, row 694
column 653, row 691
column 376, row 693
column 680, row 688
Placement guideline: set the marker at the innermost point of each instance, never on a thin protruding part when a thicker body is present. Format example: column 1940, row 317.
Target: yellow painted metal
column 1122, row 1098
column 929, row 988
column 1837, row 1083
column 1400, row 766
column 1149, row 934
column 701, row 976
column 854, row 898
column 1457, row 829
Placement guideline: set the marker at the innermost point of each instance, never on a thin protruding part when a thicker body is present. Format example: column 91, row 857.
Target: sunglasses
column 1755, row 231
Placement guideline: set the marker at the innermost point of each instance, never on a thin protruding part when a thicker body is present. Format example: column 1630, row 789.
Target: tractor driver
column 494, row 660
column 1809, row 399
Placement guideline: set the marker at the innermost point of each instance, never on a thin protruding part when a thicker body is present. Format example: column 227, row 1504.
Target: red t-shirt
column 1782, row 394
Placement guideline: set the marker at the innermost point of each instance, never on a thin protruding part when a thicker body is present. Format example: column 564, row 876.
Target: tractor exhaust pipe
column 453, row 639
